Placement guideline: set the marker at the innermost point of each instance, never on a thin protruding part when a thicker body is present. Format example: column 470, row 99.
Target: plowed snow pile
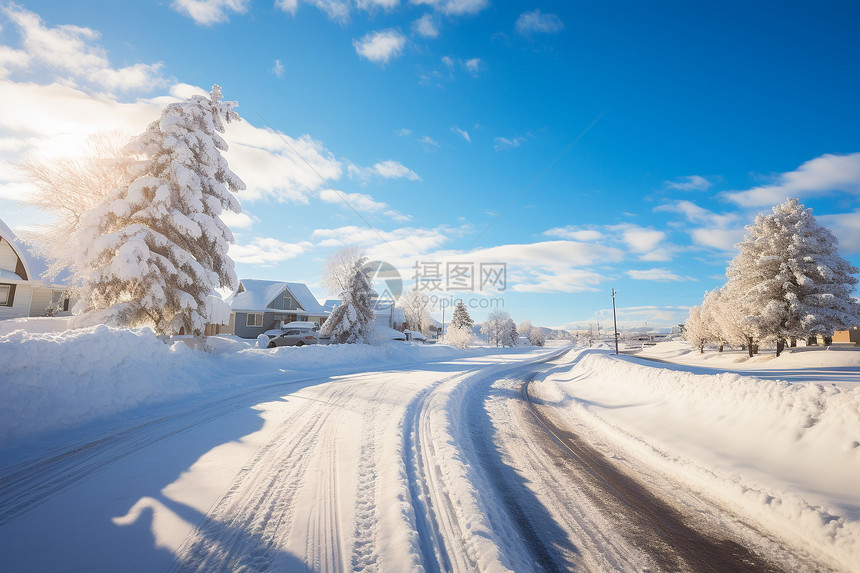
column 785, row 454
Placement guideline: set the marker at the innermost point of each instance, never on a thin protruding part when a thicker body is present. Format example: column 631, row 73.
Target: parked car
column 294, row 337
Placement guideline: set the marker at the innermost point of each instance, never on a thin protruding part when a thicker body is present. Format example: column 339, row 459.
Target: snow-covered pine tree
column 352, row 321
column 459, row 331
column 460, row 317
column 789, row 279
column 153, row 251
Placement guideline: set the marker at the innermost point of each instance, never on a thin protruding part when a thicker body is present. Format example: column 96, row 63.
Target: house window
column 288, row 301
column 5, row 295
column 59, row 300
column 254, row 319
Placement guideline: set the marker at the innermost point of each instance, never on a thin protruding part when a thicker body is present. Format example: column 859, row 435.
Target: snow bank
column 53, row 379
column 787, row 455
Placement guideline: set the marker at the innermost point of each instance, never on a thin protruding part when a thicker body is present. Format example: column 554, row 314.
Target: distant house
column 850, row 336
column 22, row 291
column 258, row 306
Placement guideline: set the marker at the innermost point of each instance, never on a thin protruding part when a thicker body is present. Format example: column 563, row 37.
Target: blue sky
column 586, row 145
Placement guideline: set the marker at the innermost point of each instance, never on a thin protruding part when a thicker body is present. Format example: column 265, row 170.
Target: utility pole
column 614, row 322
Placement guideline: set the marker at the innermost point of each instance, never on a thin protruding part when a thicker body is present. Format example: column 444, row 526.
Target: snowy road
column 439, row 466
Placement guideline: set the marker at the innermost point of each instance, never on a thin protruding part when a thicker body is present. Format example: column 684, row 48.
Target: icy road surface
column 447, row 466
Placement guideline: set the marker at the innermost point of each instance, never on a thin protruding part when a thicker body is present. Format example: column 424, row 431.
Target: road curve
column 572, row 508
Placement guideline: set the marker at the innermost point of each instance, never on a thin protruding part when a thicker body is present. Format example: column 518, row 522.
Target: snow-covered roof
column 7, row 235
column 330, row 303
column 9, row 276
column 258, row 294
column 34, row 265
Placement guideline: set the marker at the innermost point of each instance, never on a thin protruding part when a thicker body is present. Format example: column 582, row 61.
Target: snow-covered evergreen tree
column 788, row 278
column 153, row 251
column 352, row 321
column 460, row 317
column 459, row 331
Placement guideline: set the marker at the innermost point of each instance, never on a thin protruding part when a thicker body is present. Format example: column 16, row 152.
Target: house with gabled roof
column 23, row 293
column 259, row 305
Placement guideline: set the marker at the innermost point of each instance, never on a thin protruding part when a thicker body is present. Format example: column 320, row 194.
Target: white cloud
column 265, row 251
column 371, row 5
column 71, row 51
column 634, row 316
column 278, row 69
column 658, row 275
column 505, row 143
column 846, row 228
column 237, row 220
column 689, row 183
column 389, row 169
column 380, row 47
column 536, row 22
column 428, row 142
column 823, row 175
column 548, row 266
column 575, row 233
column 426, row 26
column 277, row 166
column 208, row 12
column 358, row 201
column 718, row 238
column 290, row 6
column 648, row 244
column 713, row 230
column 403, row 132
column 461, row 132
column 473, row 66
column 395, row 170
column 12, row 59
column 454, row 7
column 400, row 244
column 449, row 63
column 395, row 215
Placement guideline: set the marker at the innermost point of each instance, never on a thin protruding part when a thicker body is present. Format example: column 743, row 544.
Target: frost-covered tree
column 494, row 327
column 416, row 313
column 460, row 318
column 339, row 269
column 509, row 333
column 352, row 320
column 695, row 329
column 152, row 252
column 67, row 188
column 788, row 278
column 536, row 336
